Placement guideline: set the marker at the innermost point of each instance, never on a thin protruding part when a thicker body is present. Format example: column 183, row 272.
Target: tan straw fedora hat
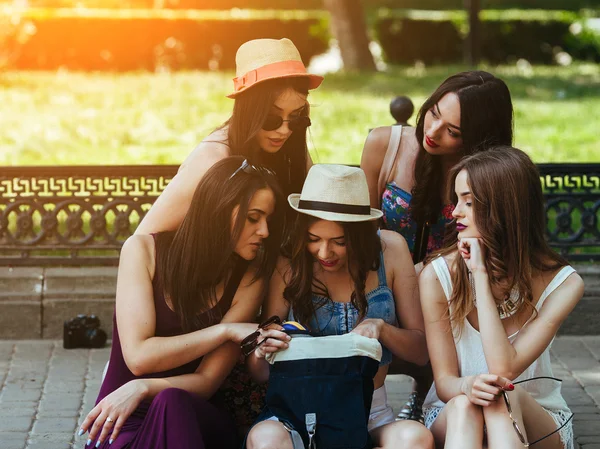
column 335, row 193
column 264, row 59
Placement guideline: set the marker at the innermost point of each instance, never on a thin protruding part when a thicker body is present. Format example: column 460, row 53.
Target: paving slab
column 45, row 390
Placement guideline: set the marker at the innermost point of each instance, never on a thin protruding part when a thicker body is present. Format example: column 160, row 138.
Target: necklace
column 506, row 308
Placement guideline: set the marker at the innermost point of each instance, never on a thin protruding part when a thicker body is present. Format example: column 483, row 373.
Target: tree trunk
column 473, row 42
column 350, row 30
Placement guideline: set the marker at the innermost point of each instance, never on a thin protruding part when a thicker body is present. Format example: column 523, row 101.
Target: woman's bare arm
column 372, row 160
column 407, row 341
column 136, row 315
column 274, row 305
column 510, row 360
column 167, row 212
column 440, row 341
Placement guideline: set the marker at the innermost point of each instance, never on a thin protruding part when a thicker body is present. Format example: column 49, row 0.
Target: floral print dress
column 397, row 216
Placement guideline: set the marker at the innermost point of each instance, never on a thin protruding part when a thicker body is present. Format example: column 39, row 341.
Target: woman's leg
column 402, row 434
column 183, row 420
column 459, row 425
column 268, row 435
column 531, row 418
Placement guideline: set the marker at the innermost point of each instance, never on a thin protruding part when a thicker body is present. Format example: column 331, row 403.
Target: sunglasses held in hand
column 250, row 343
column 514, row 422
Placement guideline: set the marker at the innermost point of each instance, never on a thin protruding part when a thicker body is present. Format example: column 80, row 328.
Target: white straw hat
column 335, row 193
column 264, row 59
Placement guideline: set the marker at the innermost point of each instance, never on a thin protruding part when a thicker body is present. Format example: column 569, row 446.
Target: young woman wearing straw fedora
column 268, row 127
column 184, row 302
column 493, row 300
column 344, row 276
column 406, row 170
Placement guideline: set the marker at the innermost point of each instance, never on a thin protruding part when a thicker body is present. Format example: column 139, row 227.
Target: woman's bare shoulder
column 212, row 149
column 377, row 140
column 139, row 249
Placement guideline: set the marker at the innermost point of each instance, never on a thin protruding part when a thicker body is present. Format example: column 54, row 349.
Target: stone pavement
column 45, row 390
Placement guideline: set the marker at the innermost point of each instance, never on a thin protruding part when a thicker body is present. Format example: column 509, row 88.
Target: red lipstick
column 430, row 142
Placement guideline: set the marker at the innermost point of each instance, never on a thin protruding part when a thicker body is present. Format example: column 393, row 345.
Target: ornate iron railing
column 74, row 215
column 82, row 215
column 572, row 193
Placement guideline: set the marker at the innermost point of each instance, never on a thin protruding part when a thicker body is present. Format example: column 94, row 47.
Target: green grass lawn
column 141, row 118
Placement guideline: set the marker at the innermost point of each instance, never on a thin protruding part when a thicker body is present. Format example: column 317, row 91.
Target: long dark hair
column 249, row 113
column 363, row 246
column 508, row 209
column 200, row 253
column 486, row 118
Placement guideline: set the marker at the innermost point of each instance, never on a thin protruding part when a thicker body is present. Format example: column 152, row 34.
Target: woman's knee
column 460, row 407
column 403, row 434
column 173, row 396
column 268, row 435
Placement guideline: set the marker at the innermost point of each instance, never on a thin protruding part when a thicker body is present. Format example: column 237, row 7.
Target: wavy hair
column 250, row 111
column 363, row 247
column 486, row 118
column 200, row 254
column 508, row 210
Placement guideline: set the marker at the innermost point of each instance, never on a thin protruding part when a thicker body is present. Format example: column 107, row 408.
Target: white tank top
column 471, row 359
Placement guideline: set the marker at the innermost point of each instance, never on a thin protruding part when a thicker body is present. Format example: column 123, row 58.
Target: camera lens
column 95, row 337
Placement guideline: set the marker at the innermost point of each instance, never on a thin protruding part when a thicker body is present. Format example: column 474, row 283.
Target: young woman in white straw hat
column 345, row 276
column 268, row 126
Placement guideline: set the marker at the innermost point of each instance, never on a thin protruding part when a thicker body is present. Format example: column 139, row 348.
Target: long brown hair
column 508, row 210
column 486, row 118
column 250, row 110
column 200, row 254
column 363, row 247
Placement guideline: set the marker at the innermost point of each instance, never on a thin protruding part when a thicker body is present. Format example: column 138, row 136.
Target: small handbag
column 322, row 387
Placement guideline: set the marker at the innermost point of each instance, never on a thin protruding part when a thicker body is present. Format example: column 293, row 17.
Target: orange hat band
column 275, row 70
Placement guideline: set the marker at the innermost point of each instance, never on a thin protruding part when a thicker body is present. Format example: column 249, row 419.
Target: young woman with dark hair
column 466, row 113
column 493, row 300
column 343, row 276
column 407, row 168
column 268, row 126
column 185, row 299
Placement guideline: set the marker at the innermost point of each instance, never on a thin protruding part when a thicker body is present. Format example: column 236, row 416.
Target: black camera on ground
column 83, row 331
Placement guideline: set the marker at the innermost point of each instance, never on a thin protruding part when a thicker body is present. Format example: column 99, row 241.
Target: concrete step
column 35, row 302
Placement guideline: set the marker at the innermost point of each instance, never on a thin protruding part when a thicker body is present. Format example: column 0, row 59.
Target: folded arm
column 136, row 316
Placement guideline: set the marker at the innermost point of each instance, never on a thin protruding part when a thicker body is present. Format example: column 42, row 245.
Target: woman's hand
column 484, row 389
column 473, row 253
column 371, row 327
column 109, row 415
column 273, row 340
column 236, row 332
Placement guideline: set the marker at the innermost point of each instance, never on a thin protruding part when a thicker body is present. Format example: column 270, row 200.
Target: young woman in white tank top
column 493, row 300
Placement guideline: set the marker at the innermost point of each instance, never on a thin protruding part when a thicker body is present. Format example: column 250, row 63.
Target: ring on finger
column 109, row 419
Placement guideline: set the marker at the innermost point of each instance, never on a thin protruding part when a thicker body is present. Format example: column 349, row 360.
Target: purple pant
column 176, row 419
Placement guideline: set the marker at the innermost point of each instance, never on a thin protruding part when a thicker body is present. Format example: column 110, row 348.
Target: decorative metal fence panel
column 572, row 193
column 74, row 215
column 81, row 215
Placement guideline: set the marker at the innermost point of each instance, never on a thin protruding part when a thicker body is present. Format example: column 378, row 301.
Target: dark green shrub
column 583, row 43
column 570, row 5
column 404, row 40
column 507, row 41
column 407, row 37
column 132, row 43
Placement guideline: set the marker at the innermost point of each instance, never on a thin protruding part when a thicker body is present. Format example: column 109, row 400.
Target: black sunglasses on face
column 273, row 122
column 247, row 167
column 250, row 343
column 514, row 422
